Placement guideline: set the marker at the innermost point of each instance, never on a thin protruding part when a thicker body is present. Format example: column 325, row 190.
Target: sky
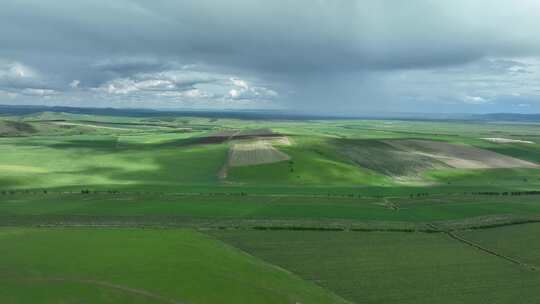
column 310, row 56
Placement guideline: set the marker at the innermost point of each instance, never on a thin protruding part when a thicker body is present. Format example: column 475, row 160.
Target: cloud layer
column 305, row 55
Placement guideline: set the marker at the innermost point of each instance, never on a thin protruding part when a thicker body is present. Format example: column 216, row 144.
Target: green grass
column 260, row 207
column 87, row 266
column 107, row 161
column 391, row 267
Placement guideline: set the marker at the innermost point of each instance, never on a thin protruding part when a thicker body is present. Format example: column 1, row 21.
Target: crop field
column 195, row 209
column 385, row 158
column 460, row 156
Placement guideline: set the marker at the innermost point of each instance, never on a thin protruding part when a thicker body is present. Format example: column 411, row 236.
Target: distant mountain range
column 260, row 114
column 509, row 117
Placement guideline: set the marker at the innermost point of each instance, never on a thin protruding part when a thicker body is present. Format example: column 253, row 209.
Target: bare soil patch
column 255, row 153
column 278, row 140
column 227, row 135
column 500, row 140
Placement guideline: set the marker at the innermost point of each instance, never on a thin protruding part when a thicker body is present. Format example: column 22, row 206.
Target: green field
column 133, row 209
column 266, row 207
column 140, row 266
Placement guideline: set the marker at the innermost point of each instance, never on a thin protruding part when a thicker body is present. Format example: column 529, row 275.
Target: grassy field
column 423, row 209
column 139, row 266
column 119, row 209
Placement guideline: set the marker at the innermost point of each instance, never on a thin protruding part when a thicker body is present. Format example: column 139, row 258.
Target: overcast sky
column 312, row 56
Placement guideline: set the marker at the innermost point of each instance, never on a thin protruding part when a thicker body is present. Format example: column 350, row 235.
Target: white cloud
column 477, row 100
column 182, row 85
column 234, row 93
column 187, row 83
column 240, row 83
column 118, row 86
column 15, row 70
column 38, row 92
column 15, row 75
column 9, row 95
column 194, row 93
column 255, row 93
column 75, row 84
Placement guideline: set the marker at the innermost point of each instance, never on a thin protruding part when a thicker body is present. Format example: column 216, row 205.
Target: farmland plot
column 460, row 156
column 389, row 160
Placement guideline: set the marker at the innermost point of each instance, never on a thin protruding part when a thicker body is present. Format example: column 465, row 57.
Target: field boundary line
column 490, row 251
column 275, row 266
column 172, row 222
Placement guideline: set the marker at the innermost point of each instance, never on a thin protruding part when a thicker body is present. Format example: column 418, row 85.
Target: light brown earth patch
column 228, row 135
column 500, row 140
column 62, row 123
column 255, row 153
column 248, row 147
column 248, row 153
column 460, row 156
column 278, row 140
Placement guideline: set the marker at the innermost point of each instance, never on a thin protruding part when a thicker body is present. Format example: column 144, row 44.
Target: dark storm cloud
column 130, row 65
column 301, row 53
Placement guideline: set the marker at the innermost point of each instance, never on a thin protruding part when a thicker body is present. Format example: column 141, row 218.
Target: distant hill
column 510, row 117
column 50, row 111
column 241, row 114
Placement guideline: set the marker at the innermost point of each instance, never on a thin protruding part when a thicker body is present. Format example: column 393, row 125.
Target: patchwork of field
column 181, row 209
column 66, row 151
column 394, row 267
